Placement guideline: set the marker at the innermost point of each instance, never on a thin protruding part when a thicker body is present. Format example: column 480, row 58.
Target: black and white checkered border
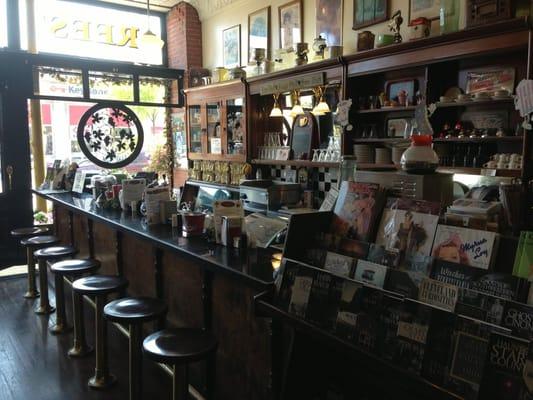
column 321, row 178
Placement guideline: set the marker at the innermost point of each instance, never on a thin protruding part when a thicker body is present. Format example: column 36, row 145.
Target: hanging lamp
column 149, row 41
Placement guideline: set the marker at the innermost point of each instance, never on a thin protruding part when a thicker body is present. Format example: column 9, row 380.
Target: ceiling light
column 149, row 41
column 276, row 110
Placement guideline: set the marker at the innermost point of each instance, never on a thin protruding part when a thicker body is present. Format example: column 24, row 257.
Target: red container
column 192, row 224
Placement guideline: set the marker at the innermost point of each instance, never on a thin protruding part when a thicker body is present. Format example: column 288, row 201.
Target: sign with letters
column 65, row 27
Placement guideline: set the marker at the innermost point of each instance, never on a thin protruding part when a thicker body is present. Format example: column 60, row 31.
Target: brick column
column 184, row 50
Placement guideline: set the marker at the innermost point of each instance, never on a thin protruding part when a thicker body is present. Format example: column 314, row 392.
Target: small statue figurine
column 394, row 26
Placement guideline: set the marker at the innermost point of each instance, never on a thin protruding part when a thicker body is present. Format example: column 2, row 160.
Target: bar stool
column 134, row 311
column 70, row 268
column 100, row 286
column 179, row 348
column 31, row 246
column 43, row 255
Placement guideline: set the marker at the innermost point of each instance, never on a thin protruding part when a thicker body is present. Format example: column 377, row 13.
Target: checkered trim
column 321, row 179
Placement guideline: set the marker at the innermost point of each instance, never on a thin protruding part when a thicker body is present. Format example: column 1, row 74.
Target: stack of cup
column 364, row 153
column 383, row 155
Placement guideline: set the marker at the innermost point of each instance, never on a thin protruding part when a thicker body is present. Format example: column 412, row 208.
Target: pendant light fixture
column 149, row 41
column 276, row 110
column 322, row 107
column 297, row 108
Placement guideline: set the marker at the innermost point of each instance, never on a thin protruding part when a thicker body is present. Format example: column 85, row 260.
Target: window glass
column 156, row 90
column 55, row 81
column 3, row 23
column 60, row 124
column 110, row 86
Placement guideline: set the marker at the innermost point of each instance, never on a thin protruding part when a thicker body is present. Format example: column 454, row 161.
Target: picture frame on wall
column 329, row 21
column 231, row 39
column 429, row 9
column 290, row 24
column 369, row 12
column 259, row 32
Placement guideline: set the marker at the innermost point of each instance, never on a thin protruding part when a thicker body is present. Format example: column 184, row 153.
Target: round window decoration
column 110, row 135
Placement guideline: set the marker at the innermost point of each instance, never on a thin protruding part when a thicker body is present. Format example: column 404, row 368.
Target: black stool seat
column 48, row 253
column 98, row 285
column 135, row 309
column 174, row 346
column 75, row 266
column 30, row 231
column 37, row 241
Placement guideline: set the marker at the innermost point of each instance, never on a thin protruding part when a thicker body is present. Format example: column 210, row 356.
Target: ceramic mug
column 515, row 165
column 490, row 164
column 515, row 158
column 504, row 158
column 502, row 165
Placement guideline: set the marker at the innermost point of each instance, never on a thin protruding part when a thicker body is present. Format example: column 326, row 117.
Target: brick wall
column 184, row 47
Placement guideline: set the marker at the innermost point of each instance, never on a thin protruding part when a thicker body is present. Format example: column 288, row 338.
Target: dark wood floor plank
column 34, row 363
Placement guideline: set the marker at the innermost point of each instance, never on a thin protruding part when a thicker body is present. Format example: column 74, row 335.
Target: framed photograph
column 259, row 32
column 396, row 127
column 329, row 21
column 369, row 12
column 393, row 88
column 290, row 24
column 490, row 79
column 231, row 39
column 424, row 8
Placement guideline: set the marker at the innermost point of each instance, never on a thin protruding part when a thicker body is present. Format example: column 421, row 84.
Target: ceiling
column 205, row 8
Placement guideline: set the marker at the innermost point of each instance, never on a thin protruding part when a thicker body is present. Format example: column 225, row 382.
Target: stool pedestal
column 32, row 292
column 44, row 306
column 102, row 379
column 80, row 347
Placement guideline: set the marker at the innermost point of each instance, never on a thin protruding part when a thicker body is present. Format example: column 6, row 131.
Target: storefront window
column 3, row 24
column 58, row 82
column 60, row 123
column 108, row 86
column 155, row 90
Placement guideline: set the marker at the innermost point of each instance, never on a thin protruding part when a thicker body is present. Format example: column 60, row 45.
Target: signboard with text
column 77, row 29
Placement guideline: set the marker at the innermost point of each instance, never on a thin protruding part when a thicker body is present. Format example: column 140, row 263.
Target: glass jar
column 347, row 168
column 449, row 16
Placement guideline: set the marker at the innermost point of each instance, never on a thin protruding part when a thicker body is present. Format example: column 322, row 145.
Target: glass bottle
column 449, row 16
column 347, row 168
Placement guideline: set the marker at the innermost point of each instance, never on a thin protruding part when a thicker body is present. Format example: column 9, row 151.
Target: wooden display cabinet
column 216, row 122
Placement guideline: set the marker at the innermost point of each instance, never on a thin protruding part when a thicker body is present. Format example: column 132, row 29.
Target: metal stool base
column 80, row 351
column 59, row 329
column 31, row 295
column 46, row 309
column 102, row 382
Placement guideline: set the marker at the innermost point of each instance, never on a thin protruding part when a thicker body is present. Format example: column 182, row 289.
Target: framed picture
column 369, row 12
column 393, row 88
column 429, row 9
column 290, row 24
column 396, row 127
column 329, row 21
column 231, row 39
column 259, row 32
column 490, row 79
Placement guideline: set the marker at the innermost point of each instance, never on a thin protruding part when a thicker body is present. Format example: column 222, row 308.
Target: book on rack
column 366, row 330
column 505, row 369
column 470, row 343
column 392, row 310
column 438, row 294
column 408, row 225
column 412, row 335
column 286, row 283
column 371, row 273
column 301, row 289
column 518, row 317
column 380, row 255
column 318, row 304
column 498, row 284
column 480, row 306
column 339, row 265
column 406, row 279
column 349, row 307
column 356, row 210
column 464, row 246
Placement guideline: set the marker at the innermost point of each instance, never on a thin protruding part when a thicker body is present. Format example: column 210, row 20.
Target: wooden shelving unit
column 488, row 102
column 297, row 163
column 491, row 139
column 386, row 110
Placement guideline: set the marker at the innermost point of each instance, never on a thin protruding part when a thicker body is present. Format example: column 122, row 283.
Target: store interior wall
column 237, row 13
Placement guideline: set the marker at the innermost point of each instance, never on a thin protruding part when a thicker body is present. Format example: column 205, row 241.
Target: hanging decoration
column 110, row 135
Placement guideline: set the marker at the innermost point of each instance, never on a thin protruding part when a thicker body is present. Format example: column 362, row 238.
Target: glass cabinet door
column 195, row 129
column 235, row 126
column 214, row 136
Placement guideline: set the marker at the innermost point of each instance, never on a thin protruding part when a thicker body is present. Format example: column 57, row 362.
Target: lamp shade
column 276, row 112
column 297, row 110
column 322, row 107
column 149, row 41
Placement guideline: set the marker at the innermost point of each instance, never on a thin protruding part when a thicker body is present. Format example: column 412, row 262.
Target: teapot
column 319, row 44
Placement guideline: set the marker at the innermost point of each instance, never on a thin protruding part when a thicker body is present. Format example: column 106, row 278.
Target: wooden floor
column 34, row 363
